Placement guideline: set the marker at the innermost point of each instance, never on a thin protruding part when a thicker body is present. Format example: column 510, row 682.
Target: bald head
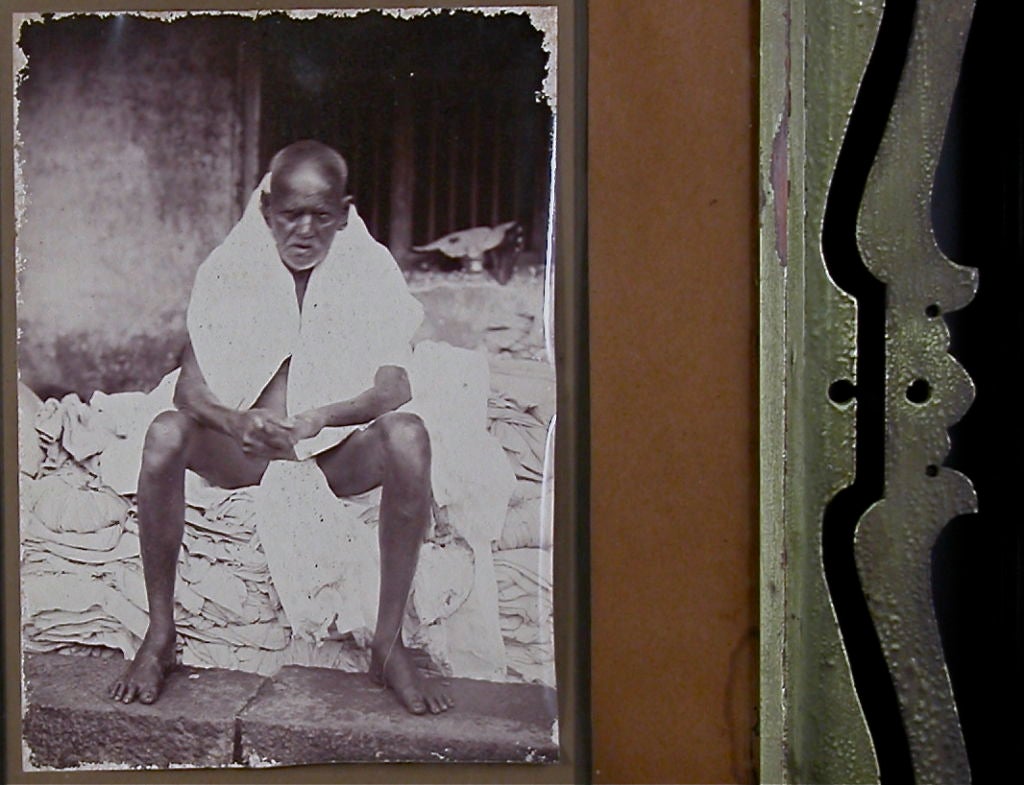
column 310, row 154
column 307, row 205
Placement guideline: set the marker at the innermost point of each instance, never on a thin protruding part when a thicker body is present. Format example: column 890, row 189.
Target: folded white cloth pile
column 82, row 581
column 82, row 578
column 521, row 418
column 526, row 612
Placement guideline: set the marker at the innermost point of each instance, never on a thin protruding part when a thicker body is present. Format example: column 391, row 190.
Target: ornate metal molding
column 814, row 398
column 926, row 391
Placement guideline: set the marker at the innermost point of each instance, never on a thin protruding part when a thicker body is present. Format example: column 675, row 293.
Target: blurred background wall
column 141, row 140
column 129, row 135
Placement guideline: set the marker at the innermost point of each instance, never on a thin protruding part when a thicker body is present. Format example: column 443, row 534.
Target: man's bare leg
column 393, row 452
column 174, row 442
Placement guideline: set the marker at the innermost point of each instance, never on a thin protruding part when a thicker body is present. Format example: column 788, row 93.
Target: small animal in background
column 494, row 248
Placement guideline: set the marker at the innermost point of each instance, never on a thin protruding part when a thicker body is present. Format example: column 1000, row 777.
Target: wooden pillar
column 537, row 241
column 249, row 114
column 376, row 163
column 495, row 134
column 474, row 173
column 432, row 185
column 454, row 131
column 524, row 160
column 402, row 174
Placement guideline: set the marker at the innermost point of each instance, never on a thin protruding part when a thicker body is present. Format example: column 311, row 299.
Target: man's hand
column 263, row 433
column 305, row 425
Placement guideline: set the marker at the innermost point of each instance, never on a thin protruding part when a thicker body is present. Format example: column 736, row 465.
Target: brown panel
column 672, row 254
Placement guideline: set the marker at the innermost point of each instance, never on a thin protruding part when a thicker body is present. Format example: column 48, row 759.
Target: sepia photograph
column 286, row 386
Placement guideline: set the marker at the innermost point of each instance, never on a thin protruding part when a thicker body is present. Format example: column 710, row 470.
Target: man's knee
column 406, row 437
column 167, row 440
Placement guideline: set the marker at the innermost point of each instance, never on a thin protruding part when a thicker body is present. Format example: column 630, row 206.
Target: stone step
column 70, row 720
column 213, row 718
column 316, row 715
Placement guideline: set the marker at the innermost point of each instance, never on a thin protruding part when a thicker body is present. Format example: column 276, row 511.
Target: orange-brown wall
column 672, row 255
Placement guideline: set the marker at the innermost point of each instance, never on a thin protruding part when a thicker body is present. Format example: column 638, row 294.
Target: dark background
column 476, row 141
column 979, row 560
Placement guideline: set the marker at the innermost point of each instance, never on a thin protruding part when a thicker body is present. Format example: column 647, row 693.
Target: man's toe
column 129, row 693
column 441, row 697
column 147, row 696
column 416, row 704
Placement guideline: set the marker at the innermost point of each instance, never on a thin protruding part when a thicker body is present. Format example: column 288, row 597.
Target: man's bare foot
column 398, row 672
column 144, row 677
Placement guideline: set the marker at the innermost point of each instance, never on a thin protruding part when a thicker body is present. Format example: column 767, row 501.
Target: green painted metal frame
column 813, row 57
column 812, row 727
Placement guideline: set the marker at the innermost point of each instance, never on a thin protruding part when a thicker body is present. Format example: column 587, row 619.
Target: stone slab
column 316, row 715
column 70, row 720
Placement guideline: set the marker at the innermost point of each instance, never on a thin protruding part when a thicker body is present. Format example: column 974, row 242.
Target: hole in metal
column 919, row 391
column 841, row 391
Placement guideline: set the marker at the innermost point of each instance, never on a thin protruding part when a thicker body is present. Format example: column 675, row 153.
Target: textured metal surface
column 926, row 391
column 813, row 58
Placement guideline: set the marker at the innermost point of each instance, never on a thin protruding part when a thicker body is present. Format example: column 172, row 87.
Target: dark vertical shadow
column 583, row 730
column 864, row 135
column 978, row 212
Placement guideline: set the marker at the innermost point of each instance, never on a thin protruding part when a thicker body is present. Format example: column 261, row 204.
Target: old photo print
column 286, row 386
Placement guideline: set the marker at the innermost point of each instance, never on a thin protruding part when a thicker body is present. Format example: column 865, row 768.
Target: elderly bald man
column 305, row 211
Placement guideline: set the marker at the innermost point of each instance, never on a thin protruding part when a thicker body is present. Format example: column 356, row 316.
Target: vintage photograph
column 286, row 386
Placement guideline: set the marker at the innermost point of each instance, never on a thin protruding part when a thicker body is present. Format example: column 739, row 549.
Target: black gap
column 919, row 391
column 867, row 124
column 978, row 559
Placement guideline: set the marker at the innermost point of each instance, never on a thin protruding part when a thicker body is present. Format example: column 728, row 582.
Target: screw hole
column 841, row 391
column 932, row 311
column 919, row 391
column 931, row 470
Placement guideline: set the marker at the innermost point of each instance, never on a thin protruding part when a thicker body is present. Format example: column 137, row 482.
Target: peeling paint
column 780, row 154
column 780, row 188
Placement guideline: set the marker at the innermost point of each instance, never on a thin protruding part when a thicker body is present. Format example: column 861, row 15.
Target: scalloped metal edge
column 812, row 728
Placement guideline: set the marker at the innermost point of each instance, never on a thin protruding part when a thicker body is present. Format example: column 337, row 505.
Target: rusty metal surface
column 813, row 59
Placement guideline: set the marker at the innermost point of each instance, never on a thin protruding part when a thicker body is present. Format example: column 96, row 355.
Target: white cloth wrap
column 357, row 315
column 244, row 321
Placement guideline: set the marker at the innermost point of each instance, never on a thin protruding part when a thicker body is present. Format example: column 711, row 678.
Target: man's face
column 304, row 211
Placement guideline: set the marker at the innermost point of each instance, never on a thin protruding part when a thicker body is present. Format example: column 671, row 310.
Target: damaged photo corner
column 285, row 387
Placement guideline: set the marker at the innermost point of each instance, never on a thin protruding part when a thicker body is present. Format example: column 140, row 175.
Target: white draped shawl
column 244, row 320
column 357, row 315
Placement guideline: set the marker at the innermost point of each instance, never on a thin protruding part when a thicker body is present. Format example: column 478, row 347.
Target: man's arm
column 194, row 397
column 258, row 431
column 390, row 390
